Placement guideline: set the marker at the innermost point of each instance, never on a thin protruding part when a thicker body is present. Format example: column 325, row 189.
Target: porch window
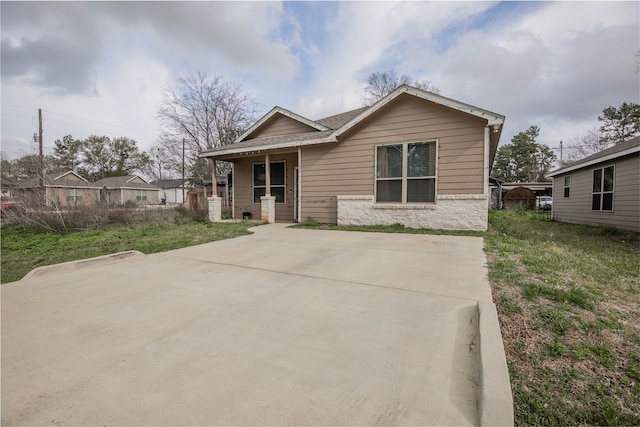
column 278, row 180
column 74, row 195
column 141, row 195
column 602, row 195
column 406, row 173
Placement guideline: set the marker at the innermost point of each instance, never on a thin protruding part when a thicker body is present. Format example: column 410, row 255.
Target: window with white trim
column 567, row 186
column 406, row 173
column 278, row 179
column 602, row 195
column 141, row 195
column 74, row 195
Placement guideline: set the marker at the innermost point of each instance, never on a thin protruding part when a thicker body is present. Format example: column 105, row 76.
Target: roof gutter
column 291, row 144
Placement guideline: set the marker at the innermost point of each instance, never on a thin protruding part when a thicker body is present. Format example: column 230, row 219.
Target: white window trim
column 602, row 192
column 565, row 186
column 404, row 177
column 253, row 186
column 141, row 195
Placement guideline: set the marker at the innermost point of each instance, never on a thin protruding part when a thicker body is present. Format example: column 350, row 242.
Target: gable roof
column 57, row 179
column 126, row 181
column 169, row 183
column 619, row 150
column 332, row 127
column 282, row 111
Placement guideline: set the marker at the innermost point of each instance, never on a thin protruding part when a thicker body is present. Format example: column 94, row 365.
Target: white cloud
column 99, row 67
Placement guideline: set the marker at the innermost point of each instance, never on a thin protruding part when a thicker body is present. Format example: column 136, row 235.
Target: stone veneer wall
column 450, row 212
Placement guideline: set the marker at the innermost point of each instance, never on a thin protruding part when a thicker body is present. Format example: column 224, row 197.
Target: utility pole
column 183, row 171
column 559, row 149
column 40, row 146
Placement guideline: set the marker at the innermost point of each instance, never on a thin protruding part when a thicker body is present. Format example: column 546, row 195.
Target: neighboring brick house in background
column 414, row 158
column 129, row 188
column 602, row 189
column 64, row 188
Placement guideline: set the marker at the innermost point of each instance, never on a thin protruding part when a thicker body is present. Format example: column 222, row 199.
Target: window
column 74, row 195
column 406, row 173
column 567, row 186
column 602, row 196
column 141, row 195
column 278, row 179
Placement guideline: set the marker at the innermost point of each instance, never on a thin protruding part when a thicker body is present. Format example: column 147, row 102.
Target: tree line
column 93, row 158
column 526, row 160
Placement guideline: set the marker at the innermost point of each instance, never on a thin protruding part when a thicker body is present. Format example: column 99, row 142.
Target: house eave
column 276, row 146
column 592, row 162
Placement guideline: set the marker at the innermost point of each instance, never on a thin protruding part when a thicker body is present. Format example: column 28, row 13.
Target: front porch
column 265, row 186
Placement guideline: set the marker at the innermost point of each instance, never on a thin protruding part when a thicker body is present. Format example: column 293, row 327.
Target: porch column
column 267, row 202
column 267, row 171
column 214, row 182
column 215, row 202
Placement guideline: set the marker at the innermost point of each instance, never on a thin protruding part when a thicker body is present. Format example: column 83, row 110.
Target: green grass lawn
column 24, row 249
column 569, row 308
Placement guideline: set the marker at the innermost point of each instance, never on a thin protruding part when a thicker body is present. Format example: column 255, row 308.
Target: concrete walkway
column 282, row 327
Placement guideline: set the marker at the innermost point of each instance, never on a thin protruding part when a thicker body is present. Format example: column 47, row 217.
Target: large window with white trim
column 278, row 180
column 602, row 195
column 406, row 173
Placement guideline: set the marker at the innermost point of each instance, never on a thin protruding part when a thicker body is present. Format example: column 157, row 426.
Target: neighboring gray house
column 172, row 190
column 414, row 157
column 129, row 188
column 602, row 189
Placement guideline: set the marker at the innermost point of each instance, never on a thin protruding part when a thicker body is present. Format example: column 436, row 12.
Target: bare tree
column 202, row 112
column 380, row 84
column 585, row 145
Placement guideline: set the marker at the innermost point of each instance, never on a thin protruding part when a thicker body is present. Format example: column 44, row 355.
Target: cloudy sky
column 100, row 67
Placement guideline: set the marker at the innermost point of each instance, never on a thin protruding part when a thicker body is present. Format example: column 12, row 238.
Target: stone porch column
column 215, row 208
column 268, row 209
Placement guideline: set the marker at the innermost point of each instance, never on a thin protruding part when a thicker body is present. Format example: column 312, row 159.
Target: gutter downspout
column 299, row 189
column 487, row 148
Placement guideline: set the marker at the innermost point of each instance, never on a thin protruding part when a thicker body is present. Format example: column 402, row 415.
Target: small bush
column 310, row 222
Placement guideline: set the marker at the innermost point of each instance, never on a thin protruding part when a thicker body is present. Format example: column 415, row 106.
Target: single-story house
column 171, row 190
column 129, row 188
column 413, row 157
column 602, row 189
column 63, row 188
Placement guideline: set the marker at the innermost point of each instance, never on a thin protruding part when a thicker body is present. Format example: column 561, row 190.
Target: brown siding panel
column 280, row 125
column 347, row 168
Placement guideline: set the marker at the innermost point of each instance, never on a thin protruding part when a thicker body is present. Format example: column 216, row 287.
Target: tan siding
column 626, row 196
column 69, row 178
column 280, row 125
column 347, row 168
column 136, row 180
column 243, row 187
column 59, row 195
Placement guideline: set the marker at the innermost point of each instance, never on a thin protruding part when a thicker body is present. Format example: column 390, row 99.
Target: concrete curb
column 496, row 400
column 74, row 265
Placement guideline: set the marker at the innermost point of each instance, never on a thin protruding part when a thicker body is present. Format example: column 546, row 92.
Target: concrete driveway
column 283, row 327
